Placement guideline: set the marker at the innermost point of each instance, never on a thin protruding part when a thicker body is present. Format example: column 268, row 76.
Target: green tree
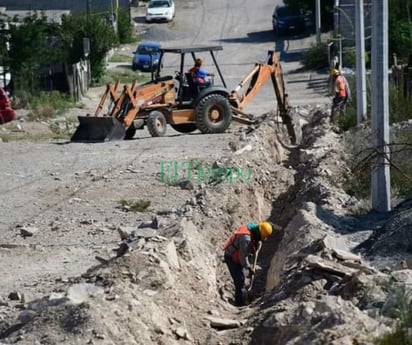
column 400, row 28
column 102, row 38
column 125, row 28
column 33, row 45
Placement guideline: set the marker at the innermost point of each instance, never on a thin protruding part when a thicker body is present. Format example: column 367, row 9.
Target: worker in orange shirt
column 237, row 249
column 340, row 99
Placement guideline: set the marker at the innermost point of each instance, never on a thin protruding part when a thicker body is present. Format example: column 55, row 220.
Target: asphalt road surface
column 244, row 29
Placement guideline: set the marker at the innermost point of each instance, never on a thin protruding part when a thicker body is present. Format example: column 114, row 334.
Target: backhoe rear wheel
column 213, row 114
column 156, row 124
column 185, row 127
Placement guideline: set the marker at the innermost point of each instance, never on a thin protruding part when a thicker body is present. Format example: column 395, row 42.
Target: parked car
column 7, row 113
column 160, row 11
column 146, row 57
column 290, row 20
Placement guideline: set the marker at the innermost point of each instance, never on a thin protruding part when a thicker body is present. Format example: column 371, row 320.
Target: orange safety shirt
column 231, row 246
column 340, row 88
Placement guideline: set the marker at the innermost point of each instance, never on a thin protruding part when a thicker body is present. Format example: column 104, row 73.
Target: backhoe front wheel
column 213, row 114
column 156, row 124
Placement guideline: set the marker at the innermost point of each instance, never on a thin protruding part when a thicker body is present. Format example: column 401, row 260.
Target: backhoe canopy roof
column 193, row 49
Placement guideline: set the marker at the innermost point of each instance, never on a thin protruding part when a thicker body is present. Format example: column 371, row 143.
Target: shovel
column 247, row 292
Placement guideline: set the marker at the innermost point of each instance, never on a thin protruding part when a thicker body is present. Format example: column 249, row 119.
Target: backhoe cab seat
column 190, row 89
column 193, row 88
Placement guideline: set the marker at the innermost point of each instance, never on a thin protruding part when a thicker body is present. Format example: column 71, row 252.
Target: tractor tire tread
column 202, row 109
column 154, row 130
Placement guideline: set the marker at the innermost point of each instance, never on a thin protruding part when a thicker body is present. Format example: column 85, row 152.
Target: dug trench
column 167, row 283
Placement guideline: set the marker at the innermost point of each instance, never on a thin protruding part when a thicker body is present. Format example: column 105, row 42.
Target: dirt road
column 244, row 29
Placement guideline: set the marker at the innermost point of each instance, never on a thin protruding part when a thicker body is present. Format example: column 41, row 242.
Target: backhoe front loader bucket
column 98, row 128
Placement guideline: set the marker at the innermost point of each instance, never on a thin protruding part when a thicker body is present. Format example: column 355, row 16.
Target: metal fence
column 79, row 78
column 402, row 78
column 72, row 79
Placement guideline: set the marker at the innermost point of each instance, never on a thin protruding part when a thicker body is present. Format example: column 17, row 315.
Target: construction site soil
column 121, row 242
column 82, row 265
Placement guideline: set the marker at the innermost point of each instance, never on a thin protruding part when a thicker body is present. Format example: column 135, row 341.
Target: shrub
column 399, row 106
column 49, row 104
column 401, row 335
column 349, row 58
column 316, row 57
column 124, row 27
column 358, row 181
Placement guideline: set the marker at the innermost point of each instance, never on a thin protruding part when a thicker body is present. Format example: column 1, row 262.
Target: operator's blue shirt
column 199, row 76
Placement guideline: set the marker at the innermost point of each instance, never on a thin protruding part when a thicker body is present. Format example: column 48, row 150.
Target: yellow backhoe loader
column 177, row 101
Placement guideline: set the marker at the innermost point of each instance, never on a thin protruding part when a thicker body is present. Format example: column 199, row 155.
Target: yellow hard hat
column 335, row 72
column 265, row 229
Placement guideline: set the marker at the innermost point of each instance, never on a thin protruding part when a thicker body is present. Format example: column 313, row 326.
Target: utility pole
column 88, row 10
column 337, row 33
column 318, row 24
column 116, row 2
column 360, row 62
column 381, row 189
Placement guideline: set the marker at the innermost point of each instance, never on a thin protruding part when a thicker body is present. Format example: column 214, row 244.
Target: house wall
column 72, row 5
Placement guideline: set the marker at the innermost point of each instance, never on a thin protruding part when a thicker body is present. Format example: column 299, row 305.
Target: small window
column 147, row 49
column 287, row 11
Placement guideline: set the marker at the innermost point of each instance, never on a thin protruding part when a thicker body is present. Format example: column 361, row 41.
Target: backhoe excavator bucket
column 98, row 129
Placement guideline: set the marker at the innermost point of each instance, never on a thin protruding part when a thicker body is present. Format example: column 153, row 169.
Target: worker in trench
column 242, row 244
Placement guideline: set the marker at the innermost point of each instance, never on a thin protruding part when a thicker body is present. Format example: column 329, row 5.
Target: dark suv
column 289, row 20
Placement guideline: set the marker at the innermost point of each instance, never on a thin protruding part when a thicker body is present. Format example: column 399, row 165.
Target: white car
column 160, row 11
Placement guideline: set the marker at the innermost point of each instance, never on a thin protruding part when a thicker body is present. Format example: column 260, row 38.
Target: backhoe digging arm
column 256, row 79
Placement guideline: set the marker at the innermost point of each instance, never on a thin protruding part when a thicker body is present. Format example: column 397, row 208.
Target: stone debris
column 220, row 323
column 167, row 284
column 329, row 266
column 16, row 296
column 183, row 333
column 28, row 231
column 79, row 293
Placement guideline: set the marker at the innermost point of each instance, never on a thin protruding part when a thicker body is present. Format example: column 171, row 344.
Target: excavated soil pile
column 165, row 282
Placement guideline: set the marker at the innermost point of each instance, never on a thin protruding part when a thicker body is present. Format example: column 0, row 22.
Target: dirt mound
column 163, row 281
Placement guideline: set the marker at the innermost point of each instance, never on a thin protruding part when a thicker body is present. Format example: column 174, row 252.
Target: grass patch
column 119, row 57
column 135, row 206
column 402, row 310
column 44, row 105
column 34, row 137
column 126, row 76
